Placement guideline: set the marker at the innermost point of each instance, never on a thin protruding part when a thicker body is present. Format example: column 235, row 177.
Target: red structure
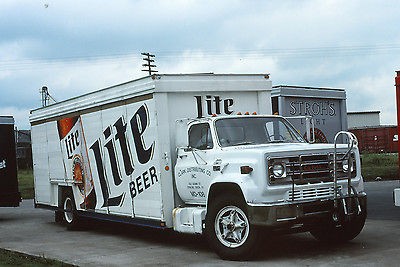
column 379, row 139
column 397, row 84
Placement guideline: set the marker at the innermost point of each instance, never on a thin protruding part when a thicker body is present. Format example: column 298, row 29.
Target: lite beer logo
column 71, row 142
column 76, row 160
column 214, row 105
column 3, row 164
column 117, row 133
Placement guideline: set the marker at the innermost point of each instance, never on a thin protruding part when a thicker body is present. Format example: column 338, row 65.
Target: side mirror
column 188, row 149
column 310, row 129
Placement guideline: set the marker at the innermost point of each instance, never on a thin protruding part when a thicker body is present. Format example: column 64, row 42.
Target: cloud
column 75, row 48
column 20, row 115
column 375, row 92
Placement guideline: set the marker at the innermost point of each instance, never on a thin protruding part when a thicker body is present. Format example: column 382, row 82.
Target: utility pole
column 149, row 60
column 46, row 96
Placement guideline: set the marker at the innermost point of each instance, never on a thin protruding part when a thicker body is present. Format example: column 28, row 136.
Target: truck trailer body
column 326, row 106
column 9, row 194
column 171, row 151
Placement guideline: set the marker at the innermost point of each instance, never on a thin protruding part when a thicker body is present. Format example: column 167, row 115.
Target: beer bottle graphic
column 76, row 160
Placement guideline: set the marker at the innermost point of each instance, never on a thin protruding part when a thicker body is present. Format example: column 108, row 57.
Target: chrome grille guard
column 351, row 191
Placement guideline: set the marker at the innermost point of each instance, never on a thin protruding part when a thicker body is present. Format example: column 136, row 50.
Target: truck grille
column 311, row 193
column 309, row 169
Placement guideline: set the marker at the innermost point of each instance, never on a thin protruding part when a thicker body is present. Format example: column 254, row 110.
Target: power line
column 207, row 54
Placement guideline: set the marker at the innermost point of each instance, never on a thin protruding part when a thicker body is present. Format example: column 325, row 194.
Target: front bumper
column 303, row 213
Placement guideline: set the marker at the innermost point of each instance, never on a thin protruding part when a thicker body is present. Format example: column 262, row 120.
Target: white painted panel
column 41, row 164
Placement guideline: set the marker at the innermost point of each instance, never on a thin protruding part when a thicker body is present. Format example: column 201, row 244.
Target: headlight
column 279, row 170
column 345, row 166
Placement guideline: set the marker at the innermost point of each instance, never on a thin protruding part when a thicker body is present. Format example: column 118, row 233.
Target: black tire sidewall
column 245, row 251
column 346, row 232
column 75, row 220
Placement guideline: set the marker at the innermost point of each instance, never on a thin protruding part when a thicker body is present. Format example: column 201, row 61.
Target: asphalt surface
column 33, row 231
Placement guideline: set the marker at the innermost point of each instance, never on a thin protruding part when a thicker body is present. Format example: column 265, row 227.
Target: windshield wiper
column 243, row 143
column 278, row 141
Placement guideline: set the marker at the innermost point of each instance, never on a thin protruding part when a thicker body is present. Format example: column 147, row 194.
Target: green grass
column 380, row 165
column 11, row 258
column 25, row 183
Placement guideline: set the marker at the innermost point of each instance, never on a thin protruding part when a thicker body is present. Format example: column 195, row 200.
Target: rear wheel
column 70, row 215
column 228, row 229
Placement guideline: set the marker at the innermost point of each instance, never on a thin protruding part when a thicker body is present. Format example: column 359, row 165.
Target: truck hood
column 286, row 147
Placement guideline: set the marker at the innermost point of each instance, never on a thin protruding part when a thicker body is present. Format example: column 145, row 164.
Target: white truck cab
column 252, row 172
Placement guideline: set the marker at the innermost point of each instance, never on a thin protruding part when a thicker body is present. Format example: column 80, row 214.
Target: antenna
column 46, row 97
column 148, row 58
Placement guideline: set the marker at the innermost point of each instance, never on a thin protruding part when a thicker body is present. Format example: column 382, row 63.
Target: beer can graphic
column 76, row 160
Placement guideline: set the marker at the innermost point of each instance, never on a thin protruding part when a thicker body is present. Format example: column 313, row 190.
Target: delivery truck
column 9, row 194
column 196, row 153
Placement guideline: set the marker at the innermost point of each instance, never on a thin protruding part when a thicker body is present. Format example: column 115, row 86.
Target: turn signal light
column 246, row 169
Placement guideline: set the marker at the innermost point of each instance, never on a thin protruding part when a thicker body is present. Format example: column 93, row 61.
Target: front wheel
column 347, row 231
column 228, row 229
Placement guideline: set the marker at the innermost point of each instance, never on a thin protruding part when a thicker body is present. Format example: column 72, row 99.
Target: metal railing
column 351, row 191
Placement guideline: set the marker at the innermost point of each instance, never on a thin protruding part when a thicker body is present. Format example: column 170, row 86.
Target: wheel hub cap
column 232, row 226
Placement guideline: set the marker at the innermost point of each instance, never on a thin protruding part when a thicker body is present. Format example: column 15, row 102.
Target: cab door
column 193, row 169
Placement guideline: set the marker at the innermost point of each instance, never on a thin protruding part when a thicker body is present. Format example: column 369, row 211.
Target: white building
column 363, row 119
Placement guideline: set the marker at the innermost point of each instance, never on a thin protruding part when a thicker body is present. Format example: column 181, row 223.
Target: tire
column 228, row 229
column 70, row 216
column 58, row 216
column 339, row 234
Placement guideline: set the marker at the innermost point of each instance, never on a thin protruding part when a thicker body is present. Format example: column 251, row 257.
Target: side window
column 200, row 136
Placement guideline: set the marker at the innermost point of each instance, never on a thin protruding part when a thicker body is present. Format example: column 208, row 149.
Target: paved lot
column 33, row 231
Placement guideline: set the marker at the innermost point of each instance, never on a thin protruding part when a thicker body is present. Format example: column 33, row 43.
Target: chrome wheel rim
column 231, row 227
column 68, row 206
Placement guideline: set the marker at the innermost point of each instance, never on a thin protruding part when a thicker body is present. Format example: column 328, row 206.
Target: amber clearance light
column 245, row 169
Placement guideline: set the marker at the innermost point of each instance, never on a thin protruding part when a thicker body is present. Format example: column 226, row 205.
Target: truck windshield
column 255, row 130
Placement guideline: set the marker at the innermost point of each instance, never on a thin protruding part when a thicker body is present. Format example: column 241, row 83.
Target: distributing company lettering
column 117, row 133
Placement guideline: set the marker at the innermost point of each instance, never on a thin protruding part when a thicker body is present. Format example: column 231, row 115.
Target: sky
column 75, row 47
